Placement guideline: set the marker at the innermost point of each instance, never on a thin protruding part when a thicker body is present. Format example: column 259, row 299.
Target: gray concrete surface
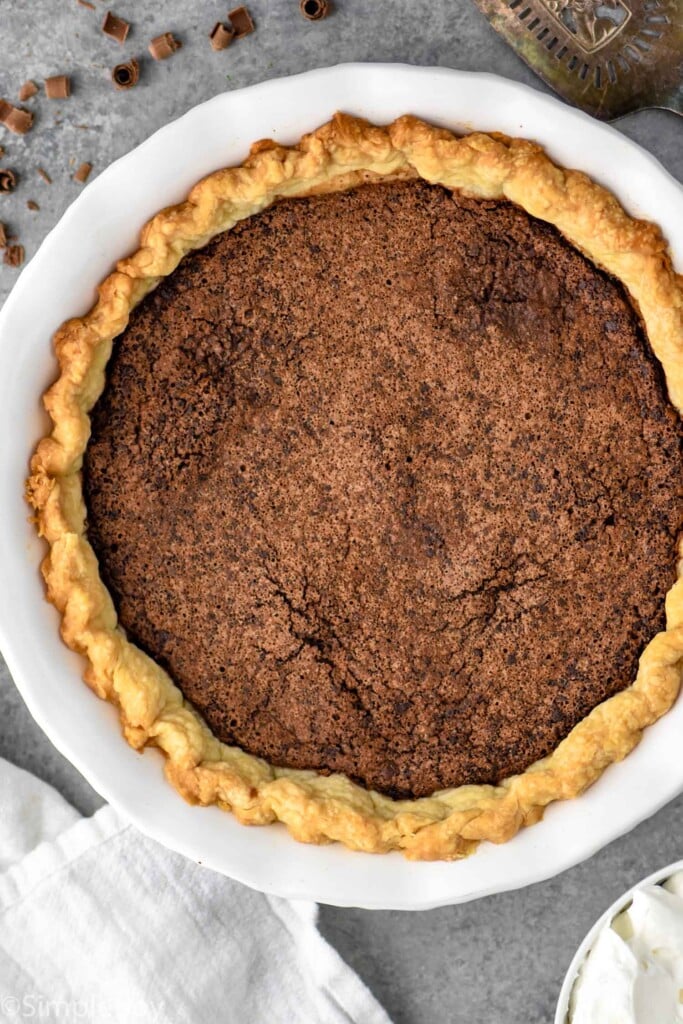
column 500, row 959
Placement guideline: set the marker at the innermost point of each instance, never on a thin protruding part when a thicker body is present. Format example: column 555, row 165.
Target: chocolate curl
column 125, row 76
column 82, row 174
column 14, row 255
column 314, row 10
column 17, row 120
column 27, row 90
column 58, row 87
column 8, row 180
column 221, row 36
column 163, row 46
column 115, row 28
column 241, row 22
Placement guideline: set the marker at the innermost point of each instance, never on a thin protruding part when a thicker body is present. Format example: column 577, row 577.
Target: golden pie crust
column 317, row 808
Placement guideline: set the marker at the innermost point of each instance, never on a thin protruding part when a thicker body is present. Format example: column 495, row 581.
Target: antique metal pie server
column 609, row 57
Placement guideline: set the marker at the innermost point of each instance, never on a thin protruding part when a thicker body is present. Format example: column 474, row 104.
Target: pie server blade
column 609, row 57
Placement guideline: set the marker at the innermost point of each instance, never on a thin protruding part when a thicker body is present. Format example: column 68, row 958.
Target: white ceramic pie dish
column 562, row 1012
column 59, row 282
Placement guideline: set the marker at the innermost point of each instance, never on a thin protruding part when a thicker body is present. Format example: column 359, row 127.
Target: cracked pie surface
column 364, row 489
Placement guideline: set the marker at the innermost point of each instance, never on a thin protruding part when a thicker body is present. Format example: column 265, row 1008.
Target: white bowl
column 562, row 1012
column 101, row 226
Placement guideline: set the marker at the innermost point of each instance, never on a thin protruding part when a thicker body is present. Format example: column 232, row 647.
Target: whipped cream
column 634, row 971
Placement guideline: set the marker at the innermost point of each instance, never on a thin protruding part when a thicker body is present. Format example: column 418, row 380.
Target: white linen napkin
column 100, row 924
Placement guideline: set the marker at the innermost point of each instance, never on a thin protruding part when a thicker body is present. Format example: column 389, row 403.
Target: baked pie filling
column 363, row 489
column 389, row 483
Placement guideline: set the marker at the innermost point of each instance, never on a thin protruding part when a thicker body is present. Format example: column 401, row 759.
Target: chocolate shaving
column 221, row 36
column 44, row 175
column 125, row 76
column 8, row 180
column 3, row 236
column 58, row 87
column 27, row 90
column 82, row 174
column 17, row 120
column 314, row 10
column 32, row 204
column 241, row 21
column 115, row 28
column 164, row 45
column 14, row 255
column 86, row 3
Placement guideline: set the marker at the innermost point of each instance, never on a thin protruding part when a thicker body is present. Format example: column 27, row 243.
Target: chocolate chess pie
column 363, row 493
